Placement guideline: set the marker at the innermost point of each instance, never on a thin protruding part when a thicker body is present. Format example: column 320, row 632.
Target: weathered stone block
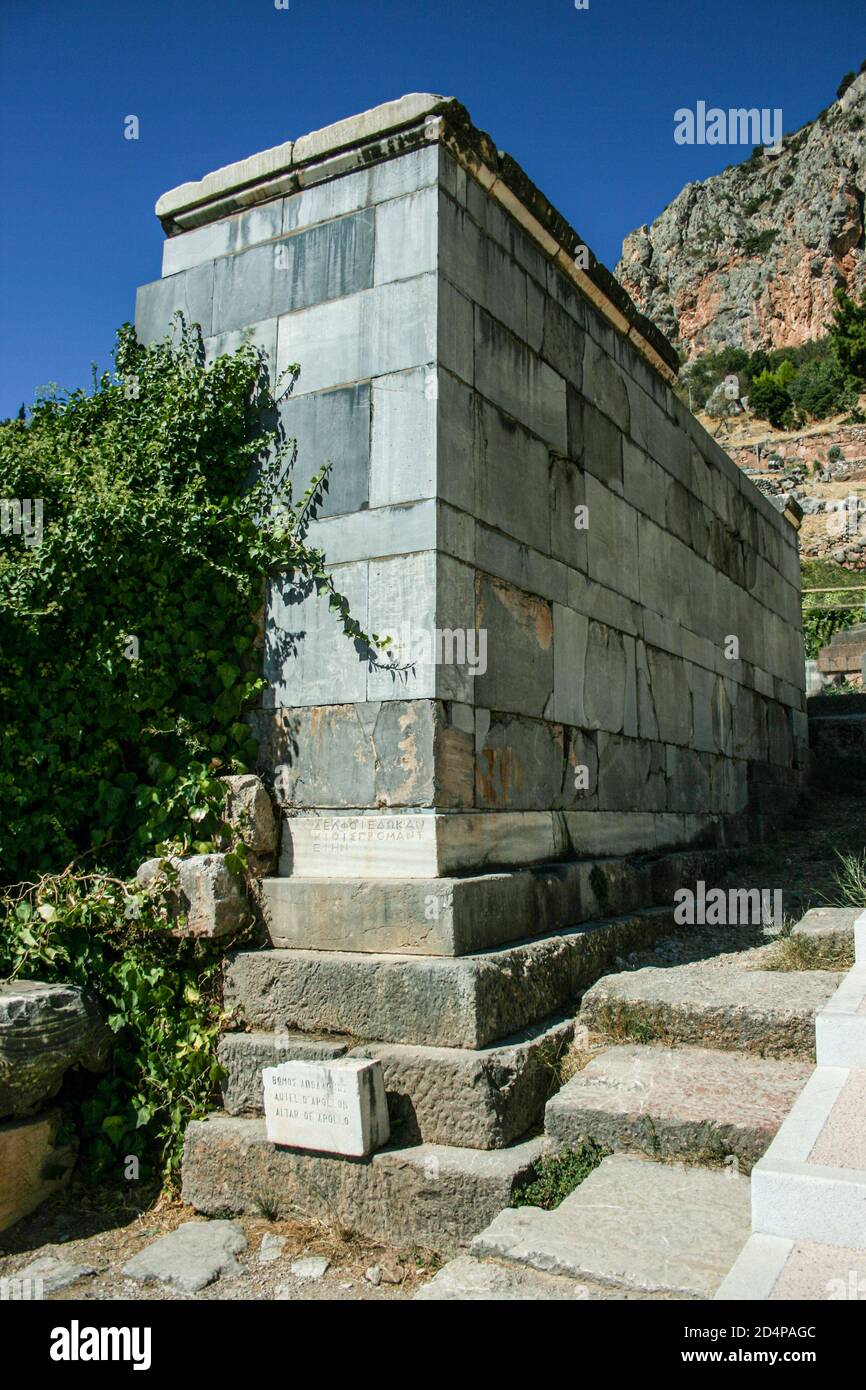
column 45, row 1030
column 332, row 427
column 463, row 1002
column 209, row 899
column 323, row 263
column 34, row 1166
column 250, row 810
column 519, row 630
column 191, row 292
column 431, row 1195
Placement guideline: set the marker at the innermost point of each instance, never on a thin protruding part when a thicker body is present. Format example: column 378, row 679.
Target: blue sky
column 584, row 100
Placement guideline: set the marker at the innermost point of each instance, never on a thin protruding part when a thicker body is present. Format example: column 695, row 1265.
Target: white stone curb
column 840, row 1027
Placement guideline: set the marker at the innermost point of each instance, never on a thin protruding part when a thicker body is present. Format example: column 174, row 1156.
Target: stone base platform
column 478, row 1099
column 430, row 1195
column 456, row 916
column 431, row 1001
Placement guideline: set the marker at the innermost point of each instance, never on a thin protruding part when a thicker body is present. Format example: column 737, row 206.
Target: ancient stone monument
column 598, row 617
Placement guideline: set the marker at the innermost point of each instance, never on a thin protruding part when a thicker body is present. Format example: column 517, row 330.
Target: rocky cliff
column 751, row 257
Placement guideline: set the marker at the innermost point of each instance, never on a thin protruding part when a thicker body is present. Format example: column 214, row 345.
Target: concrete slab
column 775, row 1269
column 806, row 1186
column 840, row 1027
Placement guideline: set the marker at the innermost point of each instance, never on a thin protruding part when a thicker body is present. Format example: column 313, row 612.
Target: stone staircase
column 809, row 1188
column 471, row 1041
column 707, row 1063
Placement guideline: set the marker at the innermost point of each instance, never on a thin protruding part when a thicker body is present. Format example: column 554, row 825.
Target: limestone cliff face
column 751, row 257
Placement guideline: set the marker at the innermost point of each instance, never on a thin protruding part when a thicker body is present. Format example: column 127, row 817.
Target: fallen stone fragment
column 374, row 1275
column 48, row 1272
column 270, row 1249
column 208, row 896
column 195, row 1255
column 45, row 1030
column 312, row 1267
column 250, row 810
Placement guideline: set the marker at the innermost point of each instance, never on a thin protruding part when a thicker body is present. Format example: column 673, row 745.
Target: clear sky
column 584, row 100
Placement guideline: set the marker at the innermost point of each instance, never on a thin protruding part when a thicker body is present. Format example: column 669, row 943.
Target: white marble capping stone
column 223, row 238
column 402, row 606
column 515, row 378
column 407, row 236
column 263, row 165
column 840, row 1027
column 403, row 436
column 370, row 334
column 357, row 129
column 570, row 638
column 860, row 939
column 376, row 532
column 308, row 658
column 797, row 1195
column 330, row 1107
column 414, row 845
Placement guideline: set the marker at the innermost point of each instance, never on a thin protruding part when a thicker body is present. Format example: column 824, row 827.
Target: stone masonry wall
column 470, row 399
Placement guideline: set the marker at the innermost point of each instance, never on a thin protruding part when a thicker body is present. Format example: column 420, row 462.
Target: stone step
column 810, row 1185
column 677, row 1103
column 658, row 1228
column 830, row 927
column 436, row 1001
column 430, row 1195
column 770, row 1012
column 773, row 1268
column 467, row 1279
column 479, row 1099
column 456, row 916
column 840, row 1028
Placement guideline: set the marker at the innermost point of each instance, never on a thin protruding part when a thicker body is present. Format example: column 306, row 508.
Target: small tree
column 130, row 626
column 769, row 400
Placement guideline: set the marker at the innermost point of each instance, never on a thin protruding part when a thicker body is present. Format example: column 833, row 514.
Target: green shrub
column 768, row 400
column 555, row 1177
column 160, row 996
column 820, row 619
column 130, row 633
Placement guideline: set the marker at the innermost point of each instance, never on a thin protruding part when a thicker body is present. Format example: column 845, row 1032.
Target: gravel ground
column 102, row 1231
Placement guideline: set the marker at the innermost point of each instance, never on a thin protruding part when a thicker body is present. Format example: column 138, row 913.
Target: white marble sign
column 333, row 1107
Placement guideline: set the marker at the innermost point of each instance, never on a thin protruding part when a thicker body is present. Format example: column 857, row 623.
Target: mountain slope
column 751, row 257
